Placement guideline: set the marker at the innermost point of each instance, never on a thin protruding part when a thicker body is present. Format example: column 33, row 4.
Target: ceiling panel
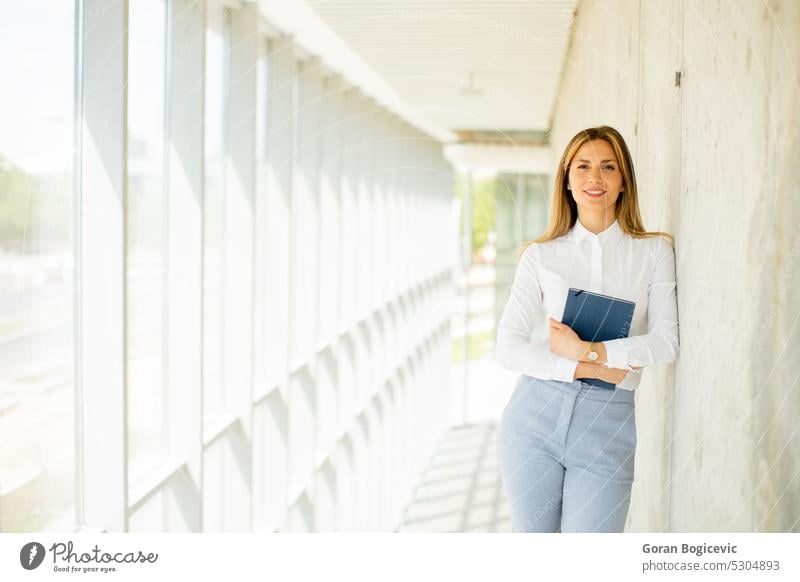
column 462, row 64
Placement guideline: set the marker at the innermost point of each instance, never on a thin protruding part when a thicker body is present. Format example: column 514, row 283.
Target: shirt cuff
column 564, row 370
column 616, row 355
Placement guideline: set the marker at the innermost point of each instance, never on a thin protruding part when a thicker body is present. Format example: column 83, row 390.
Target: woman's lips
column 595, row 193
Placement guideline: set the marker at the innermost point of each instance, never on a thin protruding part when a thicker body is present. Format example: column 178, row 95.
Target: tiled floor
column 460, row 491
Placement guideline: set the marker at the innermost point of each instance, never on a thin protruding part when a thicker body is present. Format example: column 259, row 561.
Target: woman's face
column 594, row 176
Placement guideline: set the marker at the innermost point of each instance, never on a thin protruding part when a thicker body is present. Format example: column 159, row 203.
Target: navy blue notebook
column 597, row 318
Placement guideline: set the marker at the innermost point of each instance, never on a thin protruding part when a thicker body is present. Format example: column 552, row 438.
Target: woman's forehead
column 597, row 148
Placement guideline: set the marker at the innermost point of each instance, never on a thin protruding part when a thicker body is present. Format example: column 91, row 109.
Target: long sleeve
column 660, row 345
column 514, row 350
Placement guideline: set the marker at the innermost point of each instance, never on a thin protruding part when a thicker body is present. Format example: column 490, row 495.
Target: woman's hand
column 565, row 342
column 611, row 375
column 592, row 370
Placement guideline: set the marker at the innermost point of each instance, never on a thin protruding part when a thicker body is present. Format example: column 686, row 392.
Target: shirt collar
column 612, row 234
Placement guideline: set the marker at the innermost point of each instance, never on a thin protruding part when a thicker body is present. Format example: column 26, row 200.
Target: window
column 216, row 83
column 145, row 234
column 37, row 43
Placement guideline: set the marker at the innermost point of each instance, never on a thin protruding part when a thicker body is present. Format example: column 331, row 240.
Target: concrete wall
column 717, row 156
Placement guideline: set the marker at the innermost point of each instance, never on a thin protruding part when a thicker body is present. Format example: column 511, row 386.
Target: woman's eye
column 607, row 167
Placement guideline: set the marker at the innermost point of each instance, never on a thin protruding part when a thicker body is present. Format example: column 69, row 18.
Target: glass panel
column 149, row 518
column 226, row 483
column 145, row 233
column 216, row 81
column 263, row 88
column 36, row 266
column 260, row 321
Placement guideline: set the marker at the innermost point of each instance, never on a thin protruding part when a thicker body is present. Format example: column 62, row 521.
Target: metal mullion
column 100, row 269
column 77, row 191
column 184, row 282
column 240, row 183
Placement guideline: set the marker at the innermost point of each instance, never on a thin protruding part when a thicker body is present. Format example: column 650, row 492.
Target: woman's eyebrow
column 601, row 161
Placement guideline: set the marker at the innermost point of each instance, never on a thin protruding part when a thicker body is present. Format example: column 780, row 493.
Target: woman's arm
column 566, row 343
column 660, row 345
column 514, row 350
column 594, row 370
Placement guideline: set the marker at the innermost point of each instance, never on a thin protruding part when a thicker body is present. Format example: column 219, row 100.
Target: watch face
column 592, row 355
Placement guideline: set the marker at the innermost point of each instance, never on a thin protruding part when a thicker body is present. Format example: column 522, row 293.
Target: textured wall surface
column 707, row 94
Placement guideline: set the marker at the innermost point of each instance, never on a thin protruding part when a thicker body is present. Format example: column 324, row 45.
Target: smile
column 594, row 193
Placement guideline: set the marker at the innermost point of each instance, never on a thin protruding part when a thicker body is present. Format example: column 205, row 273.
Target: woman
column 565, row 447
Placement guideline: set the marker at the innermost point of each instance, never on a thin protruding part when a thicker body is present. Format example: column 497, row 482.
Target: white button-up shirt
column 641, row 270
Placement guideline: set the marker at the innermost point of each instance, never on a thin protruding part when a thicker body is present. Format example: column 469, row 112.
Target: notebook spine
column 605, row 296
column 599, row 383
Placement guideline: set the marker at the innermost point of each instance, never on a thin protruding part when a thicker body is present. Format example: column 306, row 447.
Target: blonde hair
column 564, row 210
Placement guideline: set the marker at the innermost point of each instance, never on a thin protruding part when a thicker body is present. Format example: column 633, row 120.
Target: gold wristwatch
column 593, row 355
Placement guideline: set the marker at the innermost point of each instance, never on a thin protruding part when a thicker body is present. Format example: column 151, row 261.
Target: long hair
column 564, row 210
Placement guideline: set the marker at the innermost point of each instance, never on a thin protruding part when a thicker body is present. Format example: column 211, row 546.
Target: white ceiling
column 461, row 64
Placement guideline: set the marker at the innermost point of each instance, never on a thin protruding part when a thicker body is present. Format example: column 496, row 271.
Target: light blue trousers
column 565, row 452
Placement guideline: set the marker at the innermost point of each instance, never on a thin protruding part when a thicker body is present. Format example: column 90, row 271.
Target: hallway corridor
column 253, row 255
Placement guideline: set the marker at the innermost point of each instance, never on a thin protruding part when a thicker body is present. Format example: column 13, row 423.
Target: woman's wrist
column 599, row 347
column 599, row 372
column 586, row 370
